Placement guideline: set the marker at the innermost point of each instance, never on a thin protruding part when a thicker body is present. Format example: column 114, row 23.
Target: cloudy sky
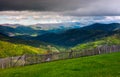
column 28, row 12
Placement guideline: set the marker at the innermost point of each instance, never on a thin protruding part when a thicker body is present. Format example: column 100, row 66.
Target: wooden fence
column 29, row 59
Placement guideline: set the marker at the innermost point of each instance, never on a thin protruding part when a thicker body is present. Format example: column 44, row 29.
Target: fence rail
column 28, row 59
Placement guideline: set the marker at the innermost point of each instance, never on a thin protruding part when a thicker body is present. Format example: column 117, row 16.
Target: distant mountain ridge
column 19, row 30
column 34, row 30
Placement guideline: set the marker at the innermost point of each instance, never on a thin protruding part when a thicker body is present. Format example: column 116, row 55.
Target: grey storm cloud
column 66, row 7
column 42, row 5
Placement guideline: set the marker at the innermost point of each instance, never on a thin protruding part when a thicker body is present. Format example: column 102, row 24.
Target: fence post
column 99, row 51
column 11, row 62
column 24, row 62
column 2, row 66
column 70, row 54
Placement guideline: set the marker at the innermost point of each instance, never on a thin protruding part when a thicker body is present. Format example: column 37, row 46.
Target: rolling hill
column 106, row 41
column 14, row 47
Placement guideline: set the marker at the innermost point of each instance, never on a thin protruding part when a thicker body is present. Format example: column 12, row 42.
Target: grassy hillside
column 107, row 65
column 110, row 40
column 14, row 47
column 10, row 49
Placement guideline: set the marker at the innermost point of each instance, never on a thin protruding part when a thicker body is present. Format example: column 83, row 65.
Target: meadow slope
column 106, row 65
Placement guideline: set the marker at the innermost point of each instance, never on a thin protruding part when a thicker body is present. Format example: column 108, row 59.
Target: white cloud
column 33, row 17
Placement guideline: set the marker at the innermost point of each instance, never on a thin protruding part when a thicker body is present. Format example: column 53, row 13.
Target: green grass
column 106, row 65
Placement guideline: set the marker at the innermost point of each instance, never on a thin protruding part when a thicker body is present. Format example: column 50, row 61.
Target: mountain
column 57, row 40
column 76, row 36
